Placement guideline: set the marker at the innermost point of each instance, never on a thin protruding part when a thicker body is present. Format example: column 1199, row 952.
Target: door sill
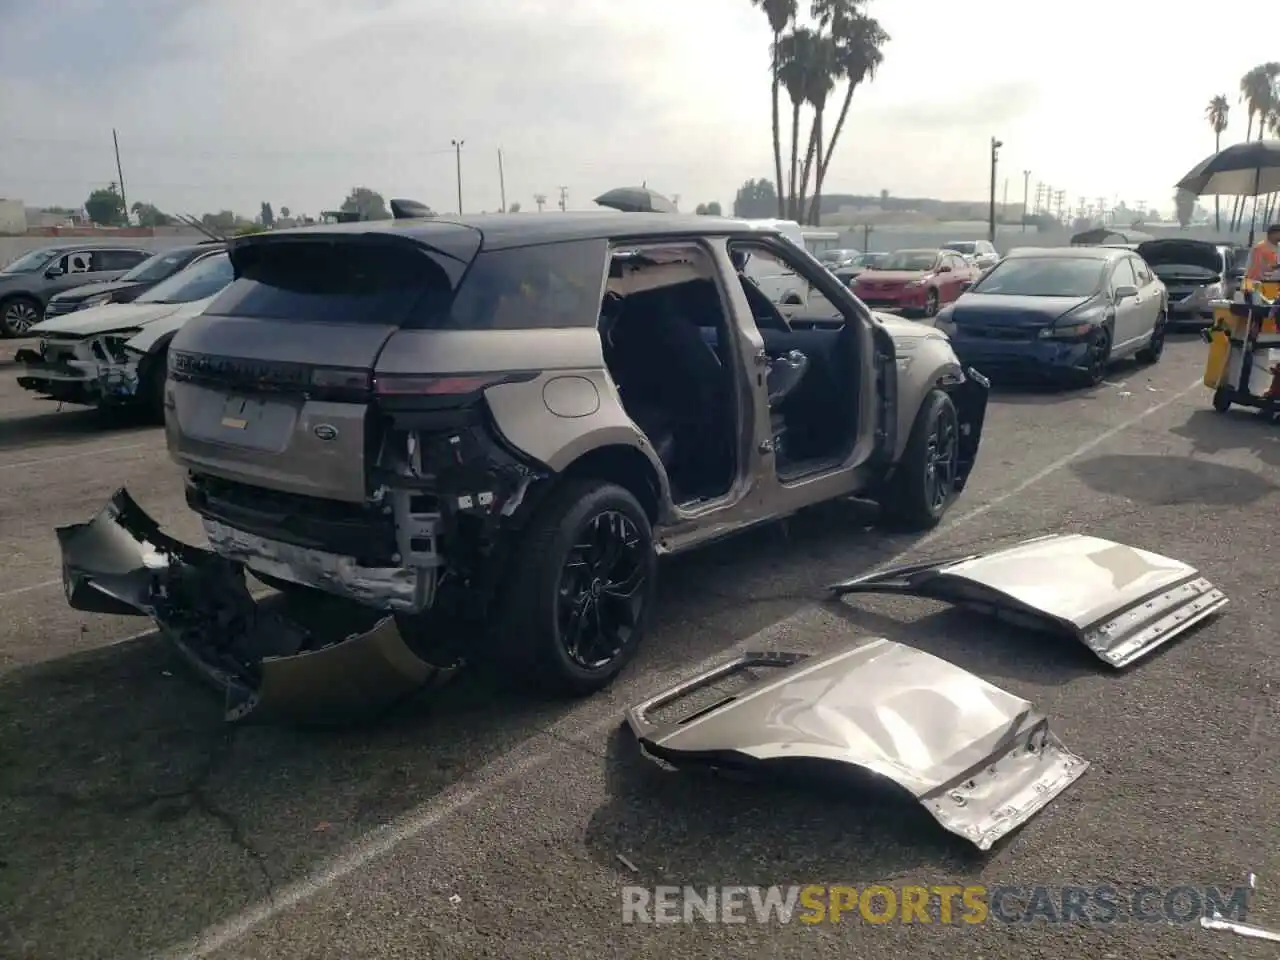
column 808, row 468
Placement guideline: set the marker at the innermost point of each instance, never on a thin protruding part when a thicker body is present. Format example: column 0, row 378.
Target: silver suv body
column 508, row 418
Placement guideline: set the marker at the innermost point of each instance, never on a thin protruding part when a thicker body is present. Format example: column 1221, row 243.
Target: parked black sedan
column 133, row 284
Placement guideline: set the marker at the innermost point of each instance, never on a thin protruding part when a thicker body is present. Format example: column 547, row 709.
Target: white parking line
column 44, row 584
column 517, row 763
column 91, row 451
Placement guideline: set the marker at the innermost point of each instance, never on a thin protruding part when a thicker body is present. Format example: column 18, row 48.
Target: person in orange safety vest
column 1264, row 258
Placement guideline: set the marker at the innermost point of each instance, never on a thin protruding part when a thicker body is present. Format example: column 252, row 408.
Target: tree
column 148, row 215
column 268, row 215
column 1217, row 113
column 224, row 221
column 367, row 203
column 781, row 14
column 755, row 198
column 249, row 228
column 105, row 207
column 284, row 212
column 711, row 209
column 1185, row 203
column 514, row 208
column 1258, row 94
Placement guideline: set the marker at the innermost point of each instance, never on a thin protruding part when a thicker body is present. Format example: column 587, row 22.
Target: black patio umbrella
column 636, row 200
column 1103, row 235
column 1248, row 169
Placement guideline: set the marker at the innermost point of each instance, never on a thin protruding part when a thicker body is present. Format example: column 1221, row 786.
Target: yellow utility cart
column 1244, row 350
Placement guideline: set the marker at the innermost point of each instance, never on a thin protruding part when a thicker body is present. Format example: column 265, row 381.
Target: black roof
column 525, row 229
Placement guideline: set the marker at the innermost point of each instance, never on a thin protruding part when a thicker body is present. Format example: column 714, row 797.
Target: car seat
column 785, row 374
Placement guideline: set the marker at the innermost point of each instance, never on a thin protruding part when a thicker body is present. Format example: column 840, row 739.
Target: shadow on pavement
column 122, row 790
column 692, row 827
column 1211, row 433
column 983, row 645
column 1164, row 481
column 69, row 424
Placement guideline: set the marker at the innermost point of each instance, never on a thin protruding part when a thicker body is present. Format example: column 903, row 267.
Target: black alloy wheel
column 600, row 594
column 1154, row 349
column 931, row 303
column 942, row 455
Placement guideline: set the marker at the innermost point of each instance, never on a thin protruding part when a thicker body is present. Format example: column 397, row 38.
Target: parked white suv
column 980, row 252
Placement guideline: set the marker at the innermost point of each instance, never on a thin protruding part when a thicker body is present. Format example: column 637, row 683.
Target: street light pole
column 1026, row 188
column 991, row 209
column 457, row 152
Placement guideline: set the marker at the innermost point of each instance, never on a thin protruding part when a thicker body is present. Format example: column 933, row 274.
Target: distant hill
column 847, row 208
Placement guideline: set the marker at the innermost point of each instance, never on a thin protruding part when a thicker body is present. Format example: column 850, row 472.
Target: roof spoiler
column 410, row 210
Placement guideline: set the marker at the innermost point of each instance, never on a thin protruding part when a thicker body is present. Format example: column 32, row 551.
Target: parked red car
column 916, row 281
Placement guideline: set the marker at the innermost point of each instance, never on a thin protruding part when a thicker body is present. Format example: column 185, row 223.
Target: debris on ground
column 628, row 864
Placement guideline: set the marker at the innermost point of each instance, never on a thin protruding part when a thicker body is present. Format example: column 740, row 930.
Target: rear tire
column 1222, row 399
column 922, row 486
column 1154, row 349
column 579, row 591
column 931, row 304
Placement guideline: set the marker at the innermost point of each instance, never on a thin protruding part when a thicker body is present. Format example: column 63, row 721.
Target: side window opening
column 664, row 330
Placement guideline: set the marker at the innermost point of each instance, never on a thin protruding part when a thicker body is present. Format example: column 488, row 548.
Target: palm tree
column 858, row 39
column 1217, row 113
column 820, row 74
column 1256, row 93
column 781, row 14
column 795, row 54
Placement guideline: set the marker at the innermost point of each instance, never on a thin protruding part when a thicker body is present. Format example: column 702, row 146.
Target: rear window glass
column 351, row 283
column 547, row 285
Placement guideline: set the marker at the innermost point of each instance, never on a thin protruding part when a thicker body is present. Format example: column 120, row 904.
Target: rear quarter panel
column 569, row 408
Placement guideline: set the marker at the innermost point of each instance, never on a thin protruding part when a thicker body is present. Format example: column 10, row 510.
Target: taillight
column 334, row 378
column 395, row 385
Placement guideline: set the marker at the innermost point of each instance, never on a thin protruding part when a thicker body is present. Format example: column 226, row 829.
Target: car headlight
column 97, row 301
column 1068, row 331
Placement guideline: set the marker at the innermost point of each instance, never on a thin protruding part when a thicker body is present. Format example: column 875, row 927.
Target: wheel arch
column 929, row 371
column 625, row 466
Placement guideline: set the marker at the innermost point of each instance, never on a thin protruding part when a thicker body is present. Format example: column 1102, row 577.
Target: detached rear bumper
column 264, row 664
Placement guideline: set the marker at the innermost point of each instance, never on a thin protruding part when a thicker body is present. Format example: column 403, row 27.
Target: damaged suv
column 485, row 431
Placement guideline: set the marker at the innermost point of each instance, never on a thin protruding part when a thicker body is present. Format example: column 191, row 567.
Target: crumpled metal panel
column 1119, row 601
column 263, row 664
column 977, row 757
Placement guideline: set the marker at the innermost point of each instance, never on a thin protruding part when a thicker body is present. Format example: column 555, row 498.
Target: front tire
column 1097, row 359
column 931, row 304
column 581, row 588
column 1222, row 400
column 923, row 484
column 18, row 315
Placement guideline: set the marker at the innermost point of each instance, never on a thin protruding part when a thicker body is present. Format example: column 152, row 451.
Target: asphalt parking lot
column 133, row 822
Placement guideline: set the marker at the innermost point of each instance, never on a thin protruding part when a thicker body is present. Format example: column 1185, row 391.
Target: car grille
column 1006, row 334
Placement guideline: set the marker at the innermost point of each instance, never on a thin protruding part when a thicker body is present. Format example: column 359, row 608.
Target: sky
column 223, row 104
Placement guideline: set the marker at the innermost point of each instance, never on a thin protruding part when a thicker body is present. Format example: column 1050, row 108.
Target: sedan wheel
column 931, row 303
column 1096, row 360
column 923, row 483
column 1154, row 349
column 19, row 315
column 601, row 590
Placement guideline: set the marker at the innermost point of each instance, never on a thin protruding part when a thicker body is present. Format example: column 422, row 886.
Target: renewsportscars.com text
column 940, row 904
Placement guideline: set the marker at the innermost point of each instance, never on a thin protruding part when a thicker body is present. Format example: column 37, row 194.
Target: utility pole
column 1026, row 188
column 120, row 173
column 991, row 208
column 1060, row 198
column 1004, row 200
column 675, row 200
column 457, row 152
column 564, row 198
column 866, row 237
column 541, row 200
column 502, row 182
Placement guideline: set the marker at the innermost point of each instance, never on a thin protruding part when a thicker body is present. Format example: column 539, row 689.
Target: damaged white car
column 117, row 354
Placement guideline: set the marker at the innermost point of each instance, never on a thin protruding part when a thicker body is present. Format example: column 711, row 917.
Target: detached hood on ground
column 1120, row 602
column 104, row 319
column 978, row 758
column 1013, row 310
column 1196, row 253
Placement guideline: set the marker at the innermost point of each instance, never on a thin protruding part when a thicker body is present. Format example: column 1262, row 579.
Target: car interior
column 671, row 352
